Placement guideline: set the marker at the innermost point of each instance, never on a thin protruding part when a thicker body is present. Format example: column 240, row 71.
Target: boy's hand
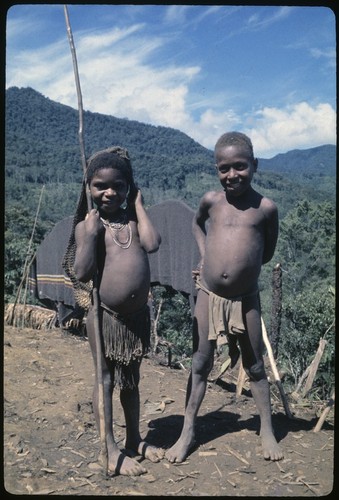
column 196, row 272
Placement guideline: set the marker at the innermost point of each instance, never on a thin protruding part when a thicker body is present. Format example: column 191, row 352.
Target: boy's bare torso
column 124, row 278
column 234, row 245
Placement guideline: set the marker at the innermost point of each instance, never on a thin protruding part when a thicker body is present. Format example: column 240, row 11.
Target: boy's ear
column 255, row 164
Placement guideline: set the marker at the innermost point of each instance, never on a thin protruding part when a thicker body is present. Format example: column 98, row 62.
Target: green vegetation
column 42, row 150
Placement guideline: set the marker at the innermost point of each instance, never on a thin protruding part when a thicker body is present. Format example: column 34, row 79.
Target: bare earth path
column 51, row 444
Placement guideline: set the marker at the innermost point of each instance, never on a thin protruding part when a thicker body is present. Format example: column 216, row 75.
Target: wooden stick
column 80, row 106
column 275, row 370
column 101, row 407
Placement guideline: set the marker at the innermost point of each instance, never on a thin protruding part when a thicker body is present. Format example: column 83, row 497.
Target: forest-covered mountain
column 42, row 141
column 42, row 147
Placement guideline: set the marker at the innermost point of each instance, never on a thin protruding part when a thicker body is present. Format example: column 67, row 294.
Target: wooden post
column 276, row 309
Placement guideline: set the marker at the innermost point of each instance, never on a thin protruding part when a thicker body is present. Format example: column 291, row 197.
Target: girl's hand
column 93, row 224
column 133, row 192
column 138, row 198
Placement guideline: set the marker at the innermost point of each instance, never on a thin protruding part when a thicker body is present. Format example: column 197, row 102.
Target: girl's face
column 108, row 188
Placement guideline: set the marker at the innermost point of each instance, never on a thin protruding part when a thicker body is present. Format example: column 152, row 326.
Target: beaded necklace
column 116, row 227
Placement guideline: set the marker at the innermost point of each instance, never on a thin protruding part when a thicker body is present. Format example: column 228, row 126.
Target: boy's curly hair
column 231, row 138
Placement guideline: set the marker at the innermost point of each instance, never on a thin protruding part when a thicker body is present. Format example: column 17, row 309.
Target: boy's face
column 108, row 188
column 235, row 169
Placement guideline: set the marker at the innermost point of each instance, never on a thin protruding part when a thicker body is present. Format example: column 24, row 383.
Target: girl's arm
column 150, row 239
column 86, row 237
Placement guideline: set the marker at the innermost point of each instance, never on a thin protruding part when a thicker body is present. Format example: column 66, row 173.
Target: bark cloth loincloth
column 225, row 316
column 126, row 339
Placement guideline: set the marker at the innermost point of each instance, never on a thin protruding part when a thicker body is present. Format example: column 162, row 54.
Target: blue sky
column 267, row 71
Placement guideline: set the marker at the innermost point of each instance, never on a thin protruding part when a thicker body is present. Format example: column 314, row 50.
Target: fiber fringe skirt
column 126, row 339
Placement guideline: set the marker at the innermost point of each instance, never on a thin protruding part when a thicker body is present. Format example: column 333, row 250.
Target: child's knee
column 256, row 372
column 202, row 363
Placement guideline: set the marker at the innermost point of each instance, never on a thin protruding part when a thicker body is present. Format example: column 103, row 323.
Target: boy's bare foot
column 118, row 463
column 146, row 450
column 179, row 451
column 271, row 449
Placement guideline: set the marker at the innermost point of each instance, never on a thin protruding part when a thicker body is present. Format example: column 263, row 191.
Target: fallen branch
column 237, row 455
column 275, row 370
column 241, row 380
column 314, row 367
column 311, row 370
column 324, row 414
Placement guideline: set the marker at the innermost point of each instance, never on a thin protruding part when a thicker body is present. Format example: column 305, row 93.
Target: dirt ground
column 51, row 444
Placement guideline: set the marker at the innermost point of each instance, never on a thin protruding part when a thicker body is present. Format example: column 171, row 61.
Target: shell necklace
column 115, row 229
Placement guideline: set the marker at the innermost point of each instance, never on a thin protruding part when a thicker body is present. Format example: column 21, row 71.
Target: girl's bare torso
column 233, row 249
column 124, row 279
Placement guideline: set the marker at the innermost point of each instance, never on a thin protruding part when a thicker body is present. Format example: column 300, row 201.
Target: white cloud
column 299, row 126
column 329, row 55
column 121, row 75
column 176, row 13
column 210, row 126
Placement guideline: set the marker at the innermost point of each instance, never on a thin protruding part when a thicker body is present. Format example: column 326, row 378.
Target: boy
column 113, row 240
column 236, row 231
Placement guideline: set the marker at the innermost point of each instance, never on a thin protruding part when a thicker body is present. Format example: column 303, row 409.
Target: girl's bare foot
column 144, row 449
column 120, row 464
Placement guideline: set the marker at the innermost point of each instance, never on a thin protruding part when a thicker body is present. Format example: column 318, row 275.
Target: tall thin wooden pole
column 101, row 407
column 27, row 264
column 28, row 255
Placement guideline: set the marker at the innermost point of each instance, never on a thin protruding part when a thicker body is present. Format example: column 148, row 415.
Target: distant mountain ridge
column 320, row 160
column 31, row 117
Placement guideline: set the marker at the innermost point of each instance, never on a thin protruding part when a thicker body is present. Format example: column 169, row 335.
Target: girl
column 113, row 240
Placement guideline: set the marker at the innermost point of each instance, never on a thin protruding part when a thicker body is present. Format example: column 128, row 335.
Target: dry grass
column 29, row 316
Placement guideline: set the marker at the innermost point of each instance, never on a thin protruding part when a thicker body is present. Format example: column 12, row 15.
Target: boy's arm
column 271, row 230
column 86, row 236
column 199, row 223
column 150, row 239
